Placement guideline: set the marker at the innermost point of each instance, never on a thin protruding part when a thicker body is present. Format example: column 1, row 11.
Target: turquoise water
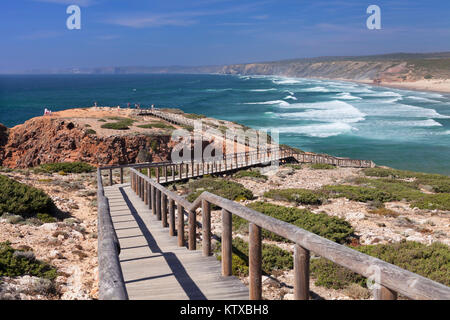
column 398, row 128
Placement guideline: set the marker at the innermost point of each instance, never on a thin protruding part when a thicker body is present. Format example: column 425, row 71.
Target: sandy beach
column 439, row 85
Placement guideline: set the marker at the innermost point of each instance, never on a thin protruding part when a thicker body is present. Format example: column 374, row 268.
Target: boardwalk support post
column 301, row 273
column 255, row 257
column 226, row 243
column 206, row 228
column 192, row 229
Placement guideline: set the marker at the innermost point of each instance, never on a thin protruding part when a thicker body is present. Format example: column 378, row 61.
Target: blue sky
column 33, row 33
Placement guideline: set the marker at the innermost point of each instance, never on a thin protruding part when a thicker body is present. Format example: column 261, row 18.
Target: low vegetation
column 120, row 124
column 333, row 228
column 439, row 183
column 194, row 116
column 19, row 199
column 432, row 261
column 299, row 196
column 322, row 166
column 389, row 189
column 66, row 167
column 156, row 125
column 250, row 174
column 221, row 187
column 15, row 263
column 273, row 258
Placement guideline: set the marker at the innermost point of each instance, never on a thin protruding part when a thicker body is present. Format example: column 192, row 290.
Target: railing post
column 255, row 257
column 158, row 204
column 171, row 217
column 187, row 170
column 145, row 192
column 226, row 243
column 164, row 211
column 383, row 293
column 206, row 228
column 181, row 171
column 173, row 168
column 192, row 230
column 165, row 173
column 110, row 177
column 121, row 175
column 153, row 195
column 180, row 231
column 139, row 187
column 301, row 273
column 149, row 195
column 157, row 173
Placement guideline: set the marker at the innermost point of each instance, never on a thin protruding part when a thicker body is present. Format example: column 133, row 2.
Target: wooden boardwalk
column 153, row 266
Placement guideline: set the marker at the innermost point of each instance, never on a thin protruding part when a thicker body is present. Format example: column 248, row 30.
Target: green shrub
column 333, row 228
column 158, row 125
column 250, row 173
column 15, row 264
column 402, row 190
column 91, row 131
column 299, row 196
column 321, row 166
column 194, row 116
column 102, row 120
column 45, row 218
column 357, row 193
column 273, row 258
column 187, row 127
column 439, row 201
column 431, row 261
column 224, row 188
column 18, row 198
column 121, row 124
column 66, row 167
column 440, row 183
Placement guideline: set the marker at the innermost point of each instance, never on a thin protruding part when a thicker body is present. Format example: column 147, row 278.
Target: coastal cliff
column 388, row 68
column 49, row 140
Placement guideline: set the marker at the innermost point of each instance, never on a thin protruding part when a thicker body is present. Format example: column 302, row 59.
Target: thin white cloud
column 182, row 18
column 83, row 3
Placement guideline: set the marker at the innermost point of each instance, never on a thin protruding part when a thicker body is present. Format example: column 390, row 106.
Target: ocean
column 398, row 128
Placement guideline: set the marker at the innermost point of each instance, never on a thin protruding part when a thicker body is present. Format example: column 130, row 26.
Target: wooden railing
column 301, row 157
column 389, row 279
column 111, row 282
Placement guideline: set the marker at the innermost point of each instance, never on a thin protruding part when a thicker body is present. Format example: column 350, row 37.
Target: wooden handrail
column 111, row 282
column 390, row 278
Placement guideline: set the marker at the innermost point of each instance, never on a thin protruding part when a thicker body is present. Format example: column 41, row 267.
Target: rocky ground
column 69, row 245
column 412, row 224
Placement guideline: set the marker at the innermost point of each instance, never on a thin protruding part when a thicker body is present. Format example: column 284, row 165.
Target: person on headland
column 47, row 112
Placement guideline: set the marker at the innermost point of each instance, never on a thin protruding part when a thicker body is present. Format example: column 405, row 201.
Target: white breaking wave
column 418, row 123
column 286, row 81
column 319, row 130
column 290, row 97
column 422, row 99
column 316, row 89
column 274, row 102
column 398, row 110
column 262, row 90
column 383, row 94
column 347, row 96
column 329, row 111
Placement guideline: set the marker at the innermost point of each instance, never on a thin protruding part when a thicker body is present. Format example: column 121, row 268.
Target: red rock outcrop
column 47, row 140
